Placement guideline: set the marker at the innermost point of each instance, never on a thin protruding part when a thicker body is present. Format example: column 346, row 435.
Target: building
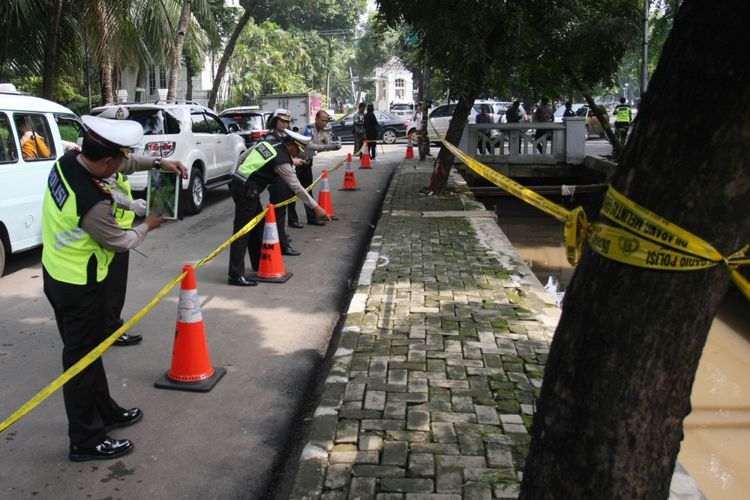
column 393, row 83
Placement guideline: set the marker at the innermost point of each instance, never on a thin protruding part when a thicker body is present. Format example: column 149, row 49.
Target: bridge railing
column 526, row 143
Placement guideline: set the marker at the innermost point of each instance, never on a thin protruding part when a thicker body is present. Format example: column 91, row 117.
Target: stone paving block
column 421, row 464
column 511, row 419
column 308, row 484
column 354, row 391
column 417, row 385
column 394, row 453
column 449, row 481
column 333, row 495
column 323, row 430
column 362, row 488
column 389, row 496
column 443, row 432
column 407, row 485
column 395, row 410
column 435, row 448
column 477, row 492
column 333, row 395
column 352, row 457
column 397, row 377
column 461, row 461
column 432, row 496
column 507, row 491
column 338, row 476
column 486, row 415
column 382, row 424
column 369, row 442
column 374, row 400
column 378, row 471
column 411, row 436
column 347, row 431
column 440, row 416
column 418, row 420
column 357, row 413
column 499, row 456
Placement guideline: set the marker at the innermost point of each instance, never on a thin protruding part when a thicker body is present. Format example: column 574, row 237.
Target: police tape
column 644, row 239
column 96, row 352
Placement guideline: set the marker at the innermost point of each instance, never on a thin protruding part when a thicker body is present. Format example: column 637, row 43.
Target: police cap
column 299, row 139
column 117, row 135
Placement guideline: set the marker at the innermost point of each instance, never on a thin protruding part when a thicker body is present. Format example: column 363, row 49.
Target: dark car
column 250, row 120
column 390, row 127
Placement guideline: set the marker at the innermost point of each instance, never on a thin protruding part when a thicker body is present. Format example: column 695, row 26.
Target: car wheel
column 389, row 136
column 2, row 256
column 195, row 196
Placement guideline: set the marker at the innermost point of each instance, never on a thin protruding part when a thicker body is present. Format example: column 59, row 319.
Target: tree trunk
column 179, row 42
column 621, row 367
column 106, row 76
column 50, row 50
column 228, row 51
column 103, row 52
column 444, row 162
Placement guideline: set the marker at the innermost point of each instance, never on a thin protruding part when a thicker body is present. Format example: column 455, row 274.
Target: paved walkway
column 432, row 386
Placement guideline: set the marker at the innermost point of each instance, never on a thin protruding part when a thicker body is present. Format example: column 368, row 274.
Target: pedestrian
column 358, row 129
column 623, row 117
column 259, row 167
column 514, row 115
column 278, row 124
column 320, row 140
column 542, row 114
column 371, row 130
column 568, row 113
column 423, row 138
column 80, row 237
column 485, row 135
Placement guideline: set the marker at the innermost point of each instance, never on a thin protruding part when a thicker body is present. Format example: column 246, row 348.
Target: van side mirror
column 233, row 127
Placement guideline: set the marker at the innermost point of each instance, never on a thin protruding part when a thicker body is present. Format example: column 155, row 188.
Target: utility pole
column 644, row 54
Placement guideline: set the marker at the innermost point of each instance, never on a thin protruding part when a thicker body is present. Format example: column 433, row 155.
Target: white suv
column 189, row 132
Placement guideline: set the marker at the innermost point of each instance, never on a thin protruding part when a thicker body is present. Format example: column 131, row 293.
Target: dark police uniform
column 76, row 268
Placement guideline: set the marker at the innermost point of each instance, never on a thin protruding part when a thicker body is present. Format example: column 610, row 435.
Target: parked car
column 561, row 110
column 189, row 132
column 250, row 120
column 404, row 110
column 390, row 127
column 52, row 129
column 441, row 116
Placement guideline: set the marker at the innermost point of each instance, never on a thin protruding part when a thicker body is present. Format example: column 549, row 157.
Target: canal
column 717, row 432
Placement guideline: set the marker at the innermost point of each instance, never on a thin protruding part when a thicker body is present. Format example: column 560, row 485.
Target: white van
column 33, row 134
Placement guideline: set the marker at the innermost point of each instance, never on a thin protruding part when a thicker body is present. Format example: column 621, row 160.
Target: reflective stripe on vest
column 124, row 216
column 66, row 247
column 623, row 114
column 262, row 153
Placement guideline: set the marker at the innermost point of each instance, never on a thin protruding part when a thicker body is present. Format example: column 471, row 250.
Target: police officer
column 320, row 140
column 260, row 167
column 623, row 117
column 80, row 236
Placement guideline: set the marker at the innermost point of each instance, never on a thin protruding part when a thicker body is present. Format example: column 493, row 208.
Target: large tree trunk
column 179, row 42
column 444, row 162
column 105, row 65
column 621, row 367
column 229, row 50
column 50, row 49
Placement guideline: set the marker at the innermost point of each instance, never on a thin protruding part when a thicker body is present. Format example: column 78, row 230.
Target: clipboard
column 163, row 194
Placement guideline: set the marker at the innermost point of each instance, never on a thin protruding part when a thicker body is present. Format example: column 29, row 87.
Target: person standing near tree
column 320, row 140
column 358, row 129
column 371, row 130
column 623, row 117
column 542, row 114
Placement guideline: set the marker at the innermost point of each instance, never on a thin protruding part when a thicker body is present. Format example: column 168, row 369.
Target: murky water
column 717, row 432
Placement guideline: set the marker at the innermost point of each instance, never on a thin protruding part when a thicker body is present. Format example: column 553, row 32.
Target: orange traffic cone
column 324, row 197
column 409, row 149
column 350, row 183
column 191, row 367
column 271, row 268
column 365, row 160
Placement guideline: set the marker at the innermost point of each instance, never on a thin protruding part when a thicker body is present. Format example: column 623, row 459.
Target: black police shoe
column 316, row 222
column 126, row 418
column 241, row 281
column 290, row 251
column 126, row 339
column 296, row 225
column 107, row 449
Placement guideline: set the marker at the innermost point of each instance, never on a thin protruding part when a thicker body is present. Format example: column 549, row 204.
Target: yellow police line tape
column 95, row 353
column 644, row 239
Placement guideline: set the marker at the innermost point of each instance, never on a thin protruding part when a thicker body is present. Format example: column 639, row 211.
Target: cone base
column 271, row 279
column 201, row 386
column 365, row 168
column 348, row 189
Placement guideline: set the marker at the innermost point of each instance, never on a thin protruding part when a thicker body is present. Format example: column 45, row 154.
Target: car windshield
column 155, row 121
column 249, row 122
column 402, row 107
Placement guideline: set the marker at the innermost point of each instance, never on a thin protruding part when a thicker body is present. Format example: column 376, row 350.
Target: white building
column 393, row 83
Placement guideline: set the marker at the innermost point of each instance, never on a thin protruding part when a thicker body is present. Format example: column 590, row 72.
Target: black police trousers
column 80, row 312
column 246, row 207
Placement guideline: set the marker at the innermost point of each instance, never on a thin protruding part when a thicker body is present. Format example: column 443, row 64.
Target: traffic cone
column 350, row 183
column 191, row 368
column 324, row 197
column 271, row 268
column 364, row 162
column 409, row 149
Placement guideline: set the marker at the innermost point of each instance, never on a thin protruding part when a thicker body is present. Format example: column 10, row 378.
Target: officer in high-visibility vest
column 259, row 167
column 80, row 236
column 623, row 117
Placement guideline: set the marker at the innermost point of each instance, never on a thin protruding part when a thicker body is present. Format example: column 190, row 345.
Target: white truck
column 302, row 107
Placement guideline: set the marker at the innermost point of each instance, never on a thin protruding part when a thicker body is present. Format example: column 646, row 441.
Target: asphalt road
column 271, row 339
